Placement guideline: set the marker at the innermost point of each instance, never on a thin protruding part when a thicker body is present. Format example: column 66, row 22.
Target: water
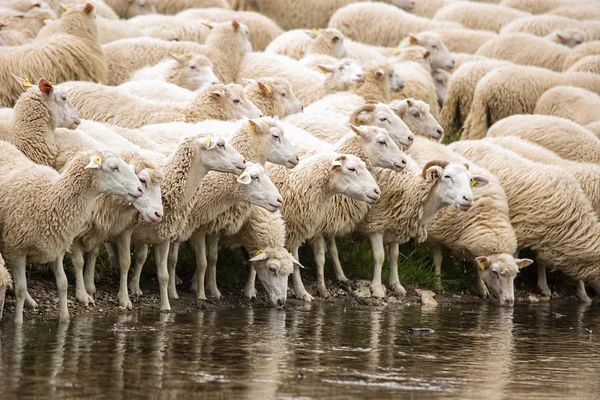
column 305, row 352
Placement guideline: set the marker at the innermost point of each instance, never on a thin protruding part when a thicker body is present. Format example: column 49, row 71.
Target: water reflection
column 312, row 351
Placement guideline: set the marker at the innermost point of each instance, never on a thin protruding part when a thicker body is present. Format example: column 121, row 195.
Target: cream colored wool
column 588, row 174
column 580, row 12
column 418, row 84
column 381, row 24
column 308, row 85
column 262, row 29
column 108, row 104
column 549, row 212
column 594, row 128
column 525, row 49
column 20, row 5
column 275, row 98
column 578, row 105
column 13, row 37
column 587, row 64
column 582, row 51
column 569, row 140
column 102, row 9
column 429, row 8
column 416, row 114
column 29, row 23
column 175, row 6
column 417, row 54
column 488, row 17
column 464, row 40
column 5, row 282
column 179, row 70
column 543, row 25
column 73, row 53
column 169, row 27
column 121, row 138
column 567, row 37
column 513, row 90
column 543, row 6
column 485, row 230
column 129, row 9
column 460, row 92
column 463, row 58
column 364, row 53
column 299, row 43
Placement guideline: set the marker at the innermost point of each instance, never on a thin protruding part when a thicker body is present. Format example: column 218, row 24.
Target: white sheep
column 381, row 24
column 488, row 17
column 417, row 116
column 439, row 57
column 594, row 128
column 464, row 40
column 273, row 96
column 578, row 105
column 175, row 6
column 580, row 12
column 109, row 104
column 550, row 213
column 41, row 231
column 542, row 7
column 80, row 55
column 441, row 79
column 299, row 43
column 543, row 25
column 418, row 84
column 586, row 64
column 6, row 282
column 515, row 90
column 567, row 37
column 128, row 9
column 169, row 27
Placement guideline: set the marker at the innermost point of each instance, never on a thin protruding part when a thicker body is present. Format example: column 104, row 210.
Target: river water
column 309, row 352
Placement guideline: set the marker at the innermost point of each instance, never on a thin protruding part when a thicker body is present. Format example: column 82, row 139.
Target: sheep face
column 440, row 56
column 273, row 267
column 258, row 188
column 568, row 37
column 281, row 150
column 395, row 81
column 440, row 79
column 149, row 204
column 114, row 175
column 139, row 7
column 351, row 178
column 66, row 115
column 453, row 183
column 334, row 39
column 235, row 103
column 404, row 4
column 216, row 154
column 498, row 272
column 383, row 117
column 198, row 71
column 343, row 74
column 416, row 115
column 382, row 150
column 283, row 93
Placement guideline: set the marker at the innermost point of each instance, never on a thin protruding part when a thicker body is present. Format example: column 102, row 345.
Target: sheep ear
column 325, row 68
column 208, row 25
column 561, row 37
column 65, row 6
column 412, row 39
column 266, row 89
column 478, row 181
column 176, row 57
column 235, row 24
column 295, row 261
column 25, row 84
column 45, row 87
column 259, row 256
column 95, row 163
column 337, row 163
column 396, row 51
column 88, row 8
column 482, row 262
column 379, row 74
column 249, row 81
column 427, row 54
column 244, row 178
column 253, row 125
column 218, row 93
column 523, row 262
column 311, row 33
column 358, row 130
column 433, row 173
column 335, row 39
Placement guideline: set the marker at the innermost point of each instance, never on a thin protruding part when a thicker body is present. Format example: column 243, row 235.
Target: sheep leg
column 29, row 301
column 395, row 284
column 542, row 282
column 198, row 244
column 141, row 254
column 318, row 248
column 17, row 267
column 90, row 271
column 124, row 257
column 212, row 243
column 299, row 289
column 2, row 295
column 582, row 294
column 172, row 264
column 438, row 257
column 62, row 285
column 335, row 258
column 250, row 288
column 377, row 289
column 111, row 250
column 161, row 253
column 78, row 264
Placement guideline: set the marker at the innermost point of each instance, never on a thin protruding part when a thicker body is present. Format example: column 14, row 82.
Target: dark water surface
column 317, row 351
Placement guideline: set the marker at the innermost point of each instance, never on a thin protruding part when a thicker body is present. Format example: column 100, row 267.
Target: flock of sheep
column 156, row 122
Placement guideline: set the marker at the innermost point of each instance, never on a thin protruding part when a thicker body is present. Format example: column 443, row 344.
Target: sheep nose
column 509, row 302
column 467, row 199
column 452, row 63
column 260, row 115
column 279, row 200
column 140, row 190
column 158, row 214
column 280, row 302
column 244, row 161
column 301, row 108
column 377, row 191
column 440, row 131
column 411, row 138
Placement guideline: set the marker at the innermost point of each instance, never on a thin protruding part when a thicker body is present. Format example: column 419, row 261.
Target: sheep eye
column 383, row 142
column 496, row 274
column 114, row 169
column 236, row 101
column 192, row 66
column 144, row 182
column 352, row 169
column 341, row 68
column 383, row 119
column 283, row 94
column 64, row 98
column 434, row 47
column 255, row 178
column 273, row 270
column 447, row 177
column 221, row 145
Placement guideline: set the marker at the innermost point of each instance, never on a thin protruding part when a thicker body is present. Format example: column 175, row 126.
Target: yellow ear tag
column 207, row 142
column 434, row 174
column 481, row 266
column 267, row 89
column 557, row 30
column 259, row 252
column 473, row 182
column 314, row 31
column 323, row 69
column 47, row 17
column 66, row 7
column 26, row 83
column 396, row 51
column 521, row 265
column 98, row 161
column 291, row 255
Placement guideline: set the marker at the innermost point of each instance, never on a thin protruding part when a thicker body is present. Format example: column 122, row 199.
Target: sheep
column 173, row 7
column 102, row 9
column 309, row 189
column 594, row 128
column 402, row 214
column 417, row 116
column 37, row 113
column 549, row 212
column 108, row 104
column 463, row 58
column 569, row 140
column 168, row 27
column 542, row 7
column 464, row 40
column 419, row 84
column 567, row 37
column 580, row 12
column 72, row 54
column 460, row 92
column 381, row 24
column 582, row 51
column 263, row 29
column 12, row 37
column 329, row 127
column 21, row 5
column 29, row 23
column 6, row 282
column 487, row 17
column 515, row 90
column 542, row 25
column 128, row 9
column 482, row 234
column 429, row 8
column 586, row 64
column 440, row 57
column 298, row 43
column 308, row 86
column 578, row 105
column 225, row 46
column 41, row 231
column 273, row 96
column 308, row 14
column 525, row 49
column 441, row 79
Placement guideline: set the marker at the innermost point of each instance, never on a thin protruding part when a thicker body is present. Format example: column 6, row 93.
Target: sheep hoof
column 215, row 294
column 173, row 294
column 178, row 280
column 305, row 296
column 85, row 299
column 545, row 291
column 125, row 304
column 91, row 289
column 378, row 291
column 323, row 292
column 250, row 293
column 398, row 289
column 30, row 303
column 135, row 291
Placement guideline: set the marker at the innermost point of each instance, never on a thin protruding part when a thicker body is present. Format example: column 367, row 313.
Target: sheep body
column 578, row 105
column 542, row 7
column 587, row 64
column 543, row 25
column 173, row 7
column 490, row 17
column 5, row 283
column 299, row 43
column 464, row 40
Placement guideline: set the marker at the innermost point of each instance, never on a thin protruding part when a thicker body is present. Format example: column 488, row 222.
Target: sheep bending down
column 490, row 17
column 543, row 25
column 299, row 43
column 578, row 105
column 567, row 37
column 587, row 64
column 464, row 40
column 5, row 283
column 550, row 213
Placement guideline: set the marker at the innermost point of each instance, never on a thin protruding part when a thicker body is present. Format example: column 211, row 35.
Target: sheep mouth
column 293, row 163
column 135, row 196
column 465, row 206
column 273, row 207
column 240, row 169
column 399, row 167
column 152, row 218
column 371, row 199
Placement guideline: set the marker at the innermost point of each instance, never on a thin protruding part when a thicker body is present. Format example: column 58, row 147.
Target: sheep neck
column 203, row 107
column 354, row 145
column 432, row 204
column 226, row 53
column 373, row 91
column 34, row 123
column 245, row 142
